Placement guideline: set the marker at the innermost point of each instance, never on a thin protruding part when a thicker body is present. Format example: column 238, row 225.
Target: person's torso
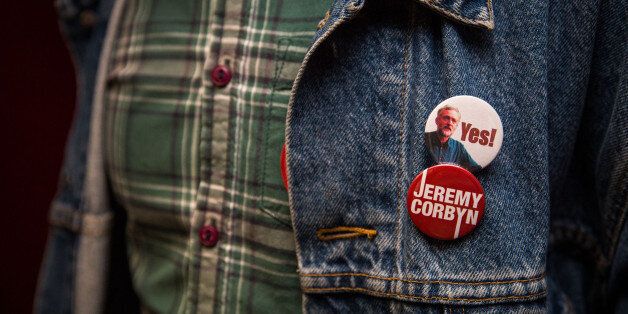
column 196, row 102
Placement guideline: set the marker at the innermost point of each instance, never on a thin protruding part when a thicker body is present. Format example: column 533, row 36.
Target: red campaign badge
column 446, row 202
column 282, row 161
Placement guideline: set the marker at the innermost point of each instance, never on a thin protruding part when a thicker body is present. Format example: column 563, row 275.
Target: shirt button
column 446, row 202
column 221, row 76
column 208, row 236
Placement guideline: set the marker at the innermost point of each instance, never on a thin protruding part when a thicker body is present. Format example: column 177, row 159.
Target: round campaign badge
column 446, row 202
column 282, row 162
column 464, row 130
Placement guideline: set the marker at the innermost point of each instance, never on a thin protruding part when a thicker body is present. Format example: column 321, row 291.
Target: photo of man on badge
column 445, row 149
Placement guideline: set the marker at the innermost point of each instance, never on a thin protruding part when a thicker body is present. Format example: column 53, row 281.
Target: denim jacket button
column 464, row 130
column 446, row 202
column 208, row 236
column 284, row 166
column 220, row 76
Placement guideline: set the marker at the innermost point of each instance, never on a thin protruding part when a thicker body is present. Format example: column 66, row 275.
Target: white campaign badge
column 464, row 130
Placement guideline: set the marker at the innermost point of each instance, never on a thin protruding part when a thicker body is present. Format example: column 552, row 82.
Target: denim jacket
column 82, row 271
column 553, row 237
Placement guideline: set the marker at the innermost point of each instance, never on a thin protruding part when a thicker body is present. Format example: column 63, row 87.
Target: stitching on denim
column 617, row 221
column 619, row 226
column 322, row 22
column 344, row 232
column 563, row 233
column 402, row 135
column 620, row 206
column 424, row 298
column 425, row 281
column 488, row 23
column 317, row 42
column 452, row 14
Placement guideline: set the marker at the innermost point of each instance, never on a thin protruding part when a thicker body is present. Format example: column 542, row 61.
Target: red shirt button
column 221, row 76
column 446, row 202
column 282, row 161
column 208, row 236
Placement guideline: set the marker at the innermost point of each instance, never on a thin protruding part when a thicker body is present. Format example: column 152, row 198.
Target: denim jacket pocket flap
column 478, row 13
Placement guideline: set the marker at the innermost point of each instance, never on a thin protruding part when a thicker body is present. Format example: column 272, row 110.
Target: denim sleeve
column 587, row 262
column 617, row 201
column 83, row 24
column 355, row 142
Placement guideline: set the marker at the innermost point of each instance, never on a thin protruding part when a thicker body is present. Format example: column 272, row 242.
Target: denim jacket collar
column 478, row 13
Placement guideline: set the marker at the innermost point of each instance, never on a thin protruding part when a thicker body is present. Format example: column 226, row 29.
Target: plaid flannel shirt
column 182, row 153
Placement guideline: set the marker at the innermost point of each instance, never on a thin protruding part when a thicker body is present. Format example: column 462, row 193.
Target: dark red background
column 37, row 91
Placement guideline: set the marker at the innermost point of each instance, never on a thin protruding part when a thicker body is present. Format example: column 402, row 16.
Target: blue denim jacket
column 84, row 268
column 553, row 237
column 555, row 71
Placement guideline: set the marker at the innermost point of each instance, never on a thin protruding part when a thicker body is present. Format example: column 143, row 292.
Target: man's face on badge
column 446, row 122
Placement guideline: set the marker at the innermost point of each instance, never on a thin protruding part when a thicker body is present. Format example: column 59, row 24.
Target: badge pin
column 464, row 130
column 446, row 202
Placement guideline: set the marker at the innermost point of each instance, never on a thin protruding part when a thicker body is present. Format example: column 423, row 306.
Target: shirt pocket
column 288, row 57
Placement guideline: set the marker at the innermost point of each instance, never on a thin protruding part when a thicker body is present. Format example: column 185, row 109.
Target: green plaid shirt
column 183, row 154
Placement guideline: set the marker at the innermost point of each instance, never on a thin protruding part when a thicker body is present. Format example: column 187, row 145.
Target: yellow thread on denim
column 324, row 20
column 427, row 281
column 343, row 232
column 425, row 298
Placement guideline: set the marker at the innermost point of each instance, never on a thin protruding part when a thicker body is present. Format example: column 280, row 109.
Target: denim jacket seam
column 620, row 217
column 407, row 45
column 569, row 234
column 619, row 226
column 426, row 298
column 318, row 40
column 488, row 23
column 426, row 281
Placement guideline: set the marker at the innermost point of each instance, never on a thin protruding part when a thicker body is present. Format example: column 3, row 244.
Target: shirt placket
column 219, row 81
